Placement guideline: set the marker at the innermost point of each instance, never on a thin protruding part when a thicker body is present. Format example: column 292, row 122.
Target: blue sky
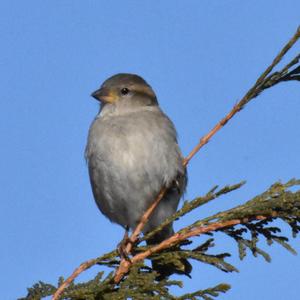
column 200, row 57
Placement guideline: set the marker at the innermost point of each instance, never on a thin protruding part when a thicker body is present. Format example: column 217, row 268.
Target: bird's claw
column 122, row 251
column 122, row 246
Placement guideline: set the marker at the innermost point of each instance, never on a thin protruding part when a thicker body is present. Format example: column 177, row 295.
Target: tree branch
column 251, row 94
column 262, row 83
column 274, row 203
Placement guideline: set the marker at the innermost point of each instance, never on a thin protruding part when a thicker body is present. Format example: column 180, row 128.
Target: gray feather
column 132, row 152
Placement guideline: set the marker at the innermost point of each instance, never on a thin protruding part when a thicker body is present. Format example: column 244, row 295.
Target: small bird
column 132, row 152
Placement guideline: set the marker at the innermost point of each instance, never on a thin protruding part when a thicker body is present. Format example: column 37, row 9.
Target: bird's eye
column 124, row 91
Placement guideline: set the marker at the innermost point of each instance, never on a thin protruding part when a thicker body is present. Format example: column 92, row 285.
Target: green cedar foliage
column 279, row 202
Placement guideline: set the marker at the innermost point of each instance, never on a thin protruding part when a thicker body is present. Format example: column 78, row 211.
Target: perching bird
column 132, row 152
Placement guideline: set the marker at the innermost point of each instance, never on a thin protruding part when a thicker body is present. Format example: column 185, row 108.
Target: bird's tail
column 164, row 270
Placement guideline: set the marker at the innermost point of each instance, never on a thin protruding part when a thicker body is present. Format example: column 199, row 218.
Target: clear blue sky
column 200, row 57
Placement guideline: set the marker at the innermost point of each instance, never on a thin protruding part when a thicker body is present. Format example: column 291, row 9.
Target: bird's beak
column 105, row 95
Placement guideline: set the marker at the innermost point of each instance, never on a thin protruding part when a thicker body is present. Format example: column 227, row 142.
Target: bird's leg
column 122, row 245
column 176, row 185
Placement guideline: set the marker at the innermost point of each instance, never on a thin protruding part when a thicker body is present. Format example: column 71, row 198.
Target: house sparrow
column 132, row 152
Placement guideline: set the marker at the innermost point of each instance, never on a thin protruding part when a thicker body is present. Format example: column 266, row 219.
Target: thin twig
column 84, row 266
column 249, row 95
column 135, row 235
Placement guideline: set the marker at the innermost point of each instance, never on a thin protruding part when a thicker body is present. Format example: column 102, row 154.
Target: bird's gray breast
column 130, row 157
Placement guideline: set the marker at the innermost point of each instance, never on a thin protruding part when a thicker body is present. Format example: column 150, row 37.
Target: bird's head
column 126, row 88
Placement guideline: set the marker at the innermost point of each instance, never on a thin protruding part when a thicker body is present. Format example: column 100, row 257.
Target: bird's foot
column 123, row 244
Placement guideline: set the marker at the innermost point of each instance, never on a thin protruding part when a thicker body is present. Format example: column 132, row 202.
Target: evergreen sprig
column 256, row 216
